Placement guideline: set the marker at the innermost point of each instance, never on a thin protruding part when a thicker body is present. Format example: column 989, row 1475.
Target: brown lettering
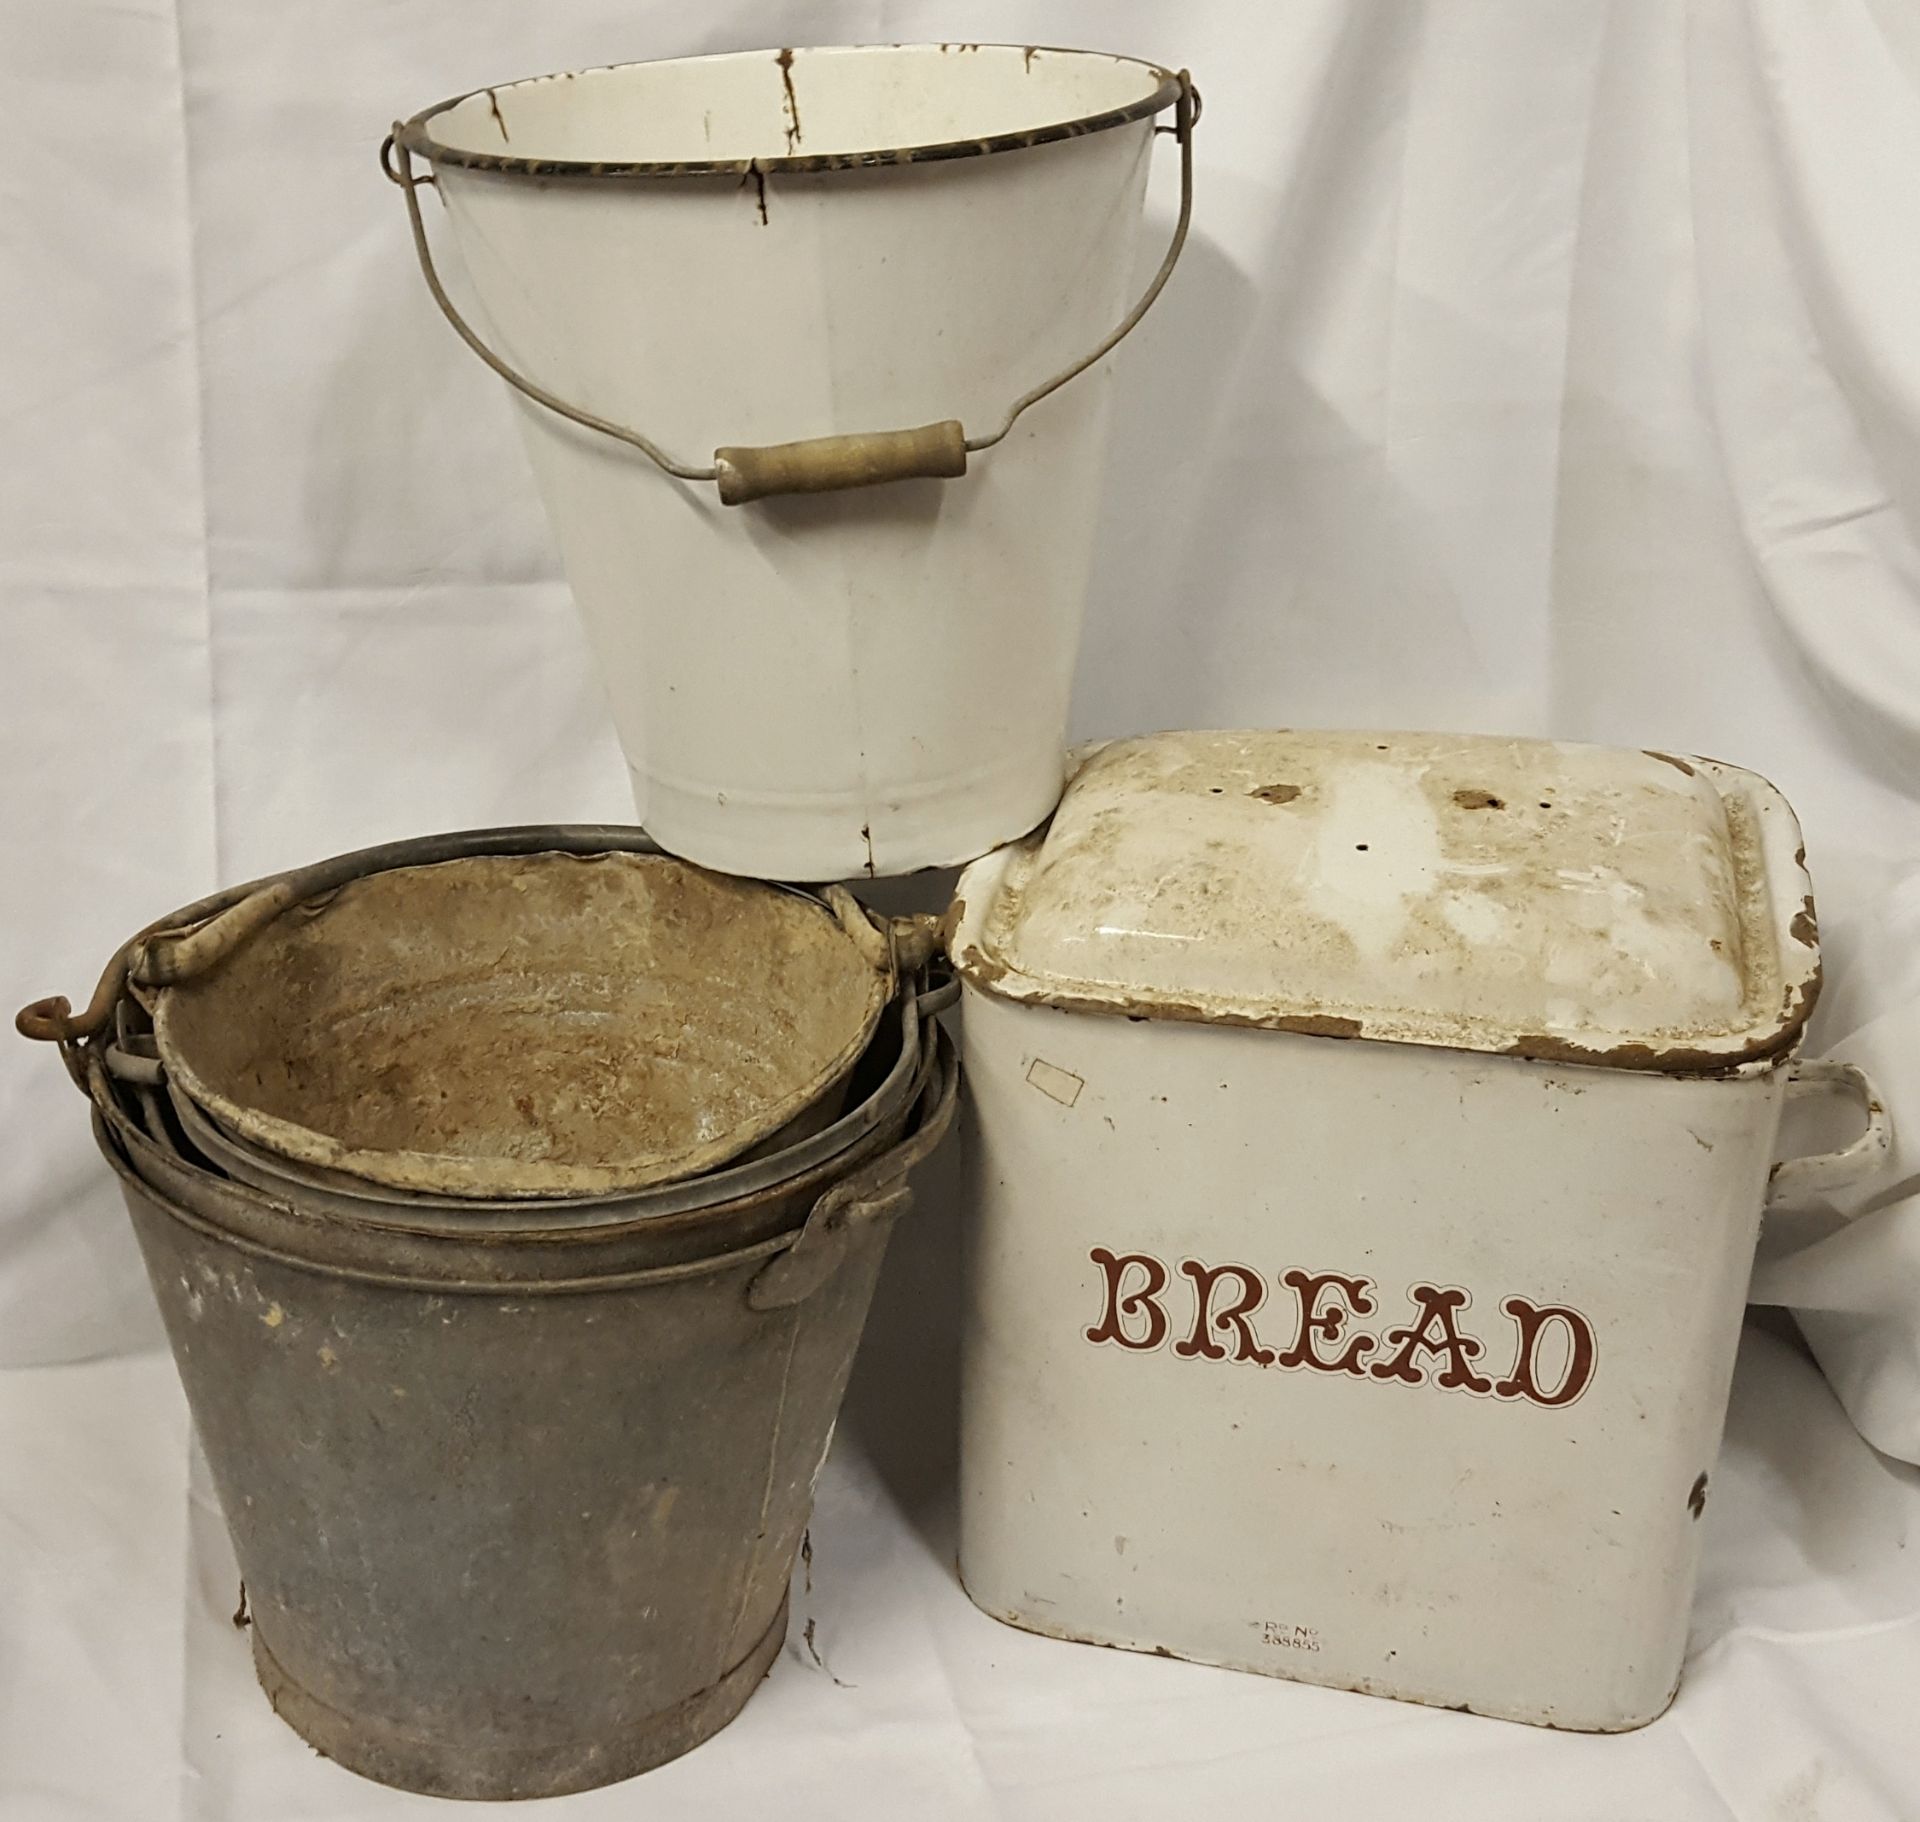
column 1531, row 1319
column 1235, row 1316
column 1112, row 1325
column 1434, row 1333
column 1317, row 1324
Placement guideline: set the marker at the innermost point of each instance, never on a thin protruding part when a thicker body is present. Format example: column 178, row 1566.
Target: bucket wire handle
column 1186, row 110
column 189, row 941
column 877, row 1192
column 816, row 464
column 53, row 1020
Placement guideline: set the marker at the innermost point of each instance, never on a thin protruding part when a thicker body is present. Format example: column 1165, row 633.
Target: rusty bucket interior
column 546, row 1024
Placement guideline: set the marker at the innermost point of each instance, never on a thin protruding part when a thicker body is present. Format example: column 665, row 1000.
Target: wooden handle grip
column 826, row 464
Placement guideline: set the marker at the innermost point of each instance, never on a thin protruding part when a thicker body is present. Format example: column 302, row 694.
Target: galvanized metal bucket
column 717, row 280
column 516, row 1492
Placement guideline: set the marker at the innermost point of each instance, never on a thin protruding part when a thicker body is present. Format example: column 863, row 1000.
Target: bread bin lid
column 1520, row 897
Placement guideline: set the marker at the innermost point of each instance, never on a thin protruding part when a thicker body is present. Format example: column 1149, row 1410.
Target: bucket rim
column 340, row 1196
column 413, row 135
column 320, row 1239
column 181, row 1028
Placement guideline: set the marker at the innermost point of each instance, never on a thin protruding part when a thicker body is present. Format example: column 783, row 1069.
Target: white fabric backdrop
column 1537, row 365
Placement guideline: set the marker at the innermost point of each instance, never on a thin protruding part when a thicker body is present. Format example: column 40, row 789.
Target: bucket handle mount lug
column 188, row 942
column 825, row 464
column 879, row 1192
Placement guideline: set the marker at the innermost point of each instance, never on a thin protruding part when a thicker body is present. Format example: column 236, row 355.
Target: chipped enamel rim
column 415, row 134
column 1776, row 908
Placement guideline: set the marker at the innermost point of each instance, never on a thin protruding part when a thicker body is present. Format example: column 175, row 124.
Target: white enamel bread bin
column 1370, row 1138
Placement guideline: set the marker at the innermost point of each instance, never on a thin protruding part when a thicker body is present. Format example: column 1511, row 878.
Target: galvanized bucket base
column 436, row 1766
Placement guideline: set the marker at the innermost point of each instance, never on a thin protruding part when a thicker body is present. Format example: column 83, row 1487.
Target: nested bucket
column 516, row 1499
column 735, row 293
column 518, row 1024
column 884, row 1081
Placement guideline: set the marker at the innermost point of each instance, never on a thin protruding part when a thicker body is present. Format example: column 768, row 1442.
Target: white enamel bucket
column 781, row 277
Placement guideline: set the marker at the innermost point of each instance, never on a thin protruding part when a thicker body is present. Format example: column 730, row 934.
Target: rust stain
column 792, row 102
column 1319, row 1025
column 758, row 178
column 813, row 1651
column 1677, row 1059
column 1668, row 759
column 499, row 119
column 1276, row 793
column 1542, row 1047
column 1372, row 1686
column 1478, row 800
column 1805, row 927
column 1697, row 1499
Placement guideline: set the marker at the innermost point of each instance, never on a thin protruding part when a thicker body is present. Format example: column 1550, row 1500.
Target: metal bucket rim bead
column 874, row 1189
column 822, row 464
column 355, row 1199
column 414, row 134
column 292, row 1228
